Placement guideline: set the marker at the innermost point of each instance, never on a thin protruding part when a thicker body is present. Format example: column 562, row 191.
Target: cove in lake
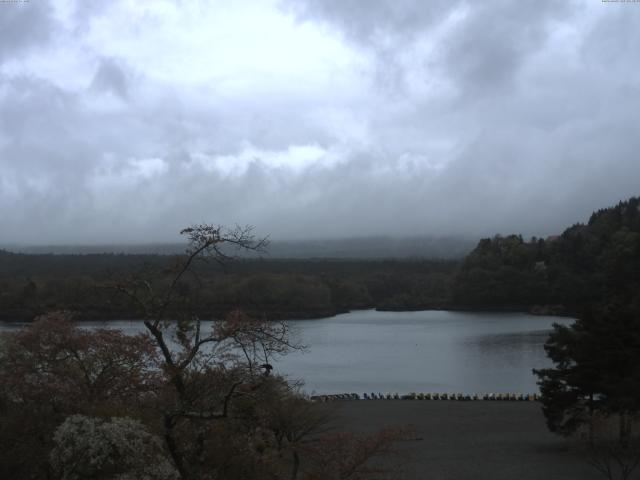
column 424, row 351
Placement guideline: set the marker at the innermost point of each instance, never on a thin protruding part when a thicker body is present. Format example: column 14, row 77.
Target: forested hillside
column 34, row 284
column 586, row 264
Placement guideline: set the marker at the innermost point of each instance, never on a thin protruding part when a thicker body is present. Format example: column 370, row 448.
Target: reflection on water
column 429, row 351
column 505, row 343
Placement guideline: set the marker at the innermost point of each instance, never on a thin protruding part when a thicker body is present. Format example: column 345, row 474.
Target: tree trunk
column 624, row 429
column 296, row 465
column 172, row 447
column 591, row 421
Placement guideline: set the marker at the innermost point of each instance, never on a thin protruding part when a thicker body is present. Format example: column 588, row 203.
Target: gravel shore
column 472, row 440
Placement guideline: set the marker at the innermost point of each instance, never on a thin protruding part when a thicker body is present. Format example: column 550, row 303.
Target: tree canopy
column 597, row 359
column 585, row 265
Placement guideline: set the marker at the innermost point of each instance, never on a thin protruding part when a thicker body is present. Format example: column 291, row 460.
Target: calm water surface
column 427, row 351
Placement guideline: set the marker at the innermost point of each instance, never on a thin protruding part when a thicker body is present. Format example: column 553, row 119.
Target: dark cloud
column 449, row 117
column 110, row 77
column 482, row 49
column 494, row 39
column 378, row 21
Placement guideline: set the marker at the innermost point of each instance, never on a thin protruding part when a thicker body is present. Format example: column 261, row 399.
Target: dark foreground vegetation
column 79, row 404
column 593, row 388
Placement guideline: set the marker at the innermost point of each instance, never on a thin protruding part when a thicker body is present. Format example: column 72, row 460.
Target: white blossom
column 117, row 449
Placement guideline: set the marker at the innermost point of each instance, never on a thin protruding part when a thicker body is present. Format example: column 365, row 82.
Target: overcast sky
column 124, row 121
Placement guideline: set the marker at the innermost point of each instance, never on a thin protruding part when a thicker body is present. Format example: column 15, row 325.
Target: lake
column 425, row 351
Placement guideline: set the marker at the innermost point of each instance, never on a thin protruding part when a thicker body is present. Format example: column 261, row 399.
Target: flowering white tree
column 118, row 449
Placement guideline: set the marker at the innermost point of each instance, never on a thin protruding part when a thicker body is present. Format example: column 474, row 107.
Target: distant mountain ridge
column 446, row 247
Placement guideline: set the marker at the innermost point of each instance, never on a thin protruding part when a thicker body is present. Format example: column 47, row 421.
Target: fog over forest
column 123, row 122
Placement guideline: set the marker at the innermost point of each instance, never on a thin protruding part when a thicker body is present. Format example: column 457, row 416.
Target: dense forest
column 33, row 284
column 587, row 262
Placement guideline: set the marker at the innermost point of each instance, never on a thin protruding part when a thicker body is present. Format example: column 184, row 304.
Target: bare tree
column 615, row 460
column 207, row 369
column 223, row 415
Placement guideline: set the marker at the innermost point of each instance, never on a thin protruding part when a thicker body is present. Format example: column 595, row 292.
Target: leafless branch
column 613, row 460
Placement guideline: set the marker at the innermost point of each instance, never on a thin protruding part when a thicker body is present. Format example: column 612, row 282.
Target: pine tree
column 597, row 369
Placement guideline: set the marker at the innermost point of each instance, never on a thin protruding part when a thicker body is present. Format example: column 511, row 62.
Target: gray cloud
column 376, row 22
column 451, row 118
column 24, row 25
column 110, row 77
column 495, row 39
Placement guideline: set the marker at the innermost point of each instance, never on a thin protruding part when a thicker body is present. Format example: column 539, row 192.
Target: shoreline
column 536, row 310
column 428, row 397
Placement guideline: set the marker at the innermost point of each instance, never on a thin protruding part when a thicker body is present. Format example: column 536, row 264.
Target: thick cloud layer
column 125, row 121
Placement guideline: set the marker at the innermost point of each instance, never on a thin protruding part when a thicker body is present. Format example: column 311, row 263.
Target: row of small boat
column 505, row 397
